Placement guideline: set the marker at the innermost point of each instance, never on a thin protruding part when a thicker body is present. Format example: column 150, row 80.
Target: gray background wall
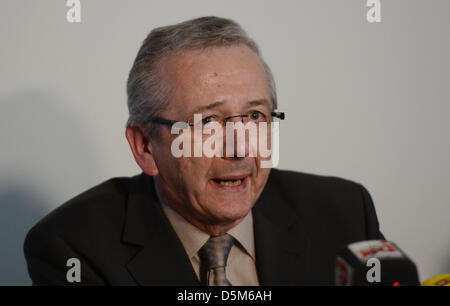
column 368, row 102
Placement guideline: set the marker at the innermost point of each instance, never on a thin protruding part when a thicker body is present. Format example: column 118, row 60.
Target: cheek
column 264, row 139
column 194, row 171
column 261, row 179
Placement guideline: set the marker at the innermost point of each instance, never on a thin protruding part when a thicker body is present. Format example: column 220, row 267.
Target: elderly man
column 210, row 220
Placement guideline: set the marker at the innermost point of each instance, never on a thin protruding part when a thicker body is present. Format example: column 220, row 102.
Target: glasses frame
column 167, row 122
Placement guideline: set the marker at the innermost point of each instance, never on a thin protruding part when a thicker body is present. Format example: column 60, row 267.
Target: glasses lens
column 181, row 125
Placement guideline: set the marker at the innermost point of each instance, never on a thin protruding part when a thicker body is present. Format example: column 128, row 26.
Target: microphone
column 438, row 280
column 374, row 263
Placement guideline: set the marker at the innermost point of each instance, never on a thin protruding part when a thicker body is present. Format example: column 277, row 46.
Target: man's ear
column 140, row 147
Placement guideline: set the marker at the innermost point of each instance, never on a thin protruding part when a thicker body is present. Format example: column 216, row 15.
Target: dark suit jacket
column 122, row 237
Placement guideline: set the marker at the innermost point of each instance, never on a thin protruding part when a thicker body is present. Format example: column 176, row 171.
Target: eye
column 256, row 116
column 208, row 120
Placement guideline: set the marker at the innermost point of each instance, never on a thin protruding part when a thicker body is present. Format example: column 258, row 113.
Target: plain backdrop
column 364, row 101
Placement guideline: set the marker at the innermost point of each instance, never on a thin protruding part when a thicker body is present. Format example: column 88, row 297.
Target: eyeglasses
column 253, row 116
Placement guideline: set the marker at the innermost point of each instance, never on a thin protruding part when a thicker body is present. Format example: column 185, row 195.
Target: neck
column 211, row 229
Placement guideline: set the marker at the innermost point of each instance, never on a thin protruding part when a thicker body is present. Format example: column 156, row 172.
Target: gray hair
column 148, row 96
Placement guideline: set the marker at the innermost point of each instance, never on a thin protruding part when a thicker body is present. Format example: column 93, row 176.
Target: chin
column 233, row 212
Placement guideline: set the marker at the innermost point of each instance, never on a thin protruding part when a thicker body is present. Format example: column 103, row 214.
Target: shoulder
column 312, row 185
column 337, row 204
column 319, row 196
column 96, row 211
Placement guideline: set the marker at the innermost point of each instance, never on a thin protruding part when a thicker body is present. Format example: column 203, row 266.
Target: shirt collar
column 243, row 233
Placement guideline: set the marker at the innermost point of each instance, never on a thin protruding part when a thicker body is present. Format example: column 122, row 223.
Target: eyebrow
column 218, row 104
column 263, row 102
column 207, row 107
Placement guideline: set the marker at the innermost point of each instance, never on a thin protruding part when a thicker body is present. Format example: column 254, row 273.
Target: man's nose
column 236, row 139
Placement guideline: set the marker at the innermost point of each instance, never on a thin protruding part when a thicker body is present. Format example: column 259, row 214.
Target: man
column 198, row 220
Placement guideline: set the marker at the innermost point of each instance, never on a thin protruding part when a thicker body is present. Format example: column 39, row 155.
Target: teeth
column 231, row 183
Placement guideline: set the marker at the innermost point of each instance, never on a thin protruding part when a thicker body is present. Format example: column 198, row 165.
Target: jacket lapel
column 162, row 259
column 281, row 240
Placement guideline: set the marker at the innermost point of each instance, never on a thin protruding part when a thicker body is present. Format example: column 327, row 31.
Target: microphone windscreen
column 372, row 263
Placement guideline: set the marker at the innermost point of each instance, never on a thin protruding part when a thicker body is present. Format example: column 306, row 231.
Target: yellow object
column 438, row 280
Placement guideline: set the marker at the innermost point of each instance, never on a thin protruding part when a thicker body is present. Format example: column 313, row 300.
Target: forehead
column 233, row 75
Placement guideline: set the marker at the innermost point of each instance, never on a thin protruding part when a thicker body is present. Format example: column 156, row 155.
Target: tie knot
column 214, row 252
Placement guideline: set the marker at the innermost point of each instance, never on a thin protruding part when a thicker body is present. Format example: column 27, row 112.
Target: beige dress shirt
column 241, row 268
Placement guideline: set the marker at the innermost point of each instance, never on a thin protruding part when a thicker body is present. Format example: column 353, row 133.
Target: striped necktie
column 213, row 256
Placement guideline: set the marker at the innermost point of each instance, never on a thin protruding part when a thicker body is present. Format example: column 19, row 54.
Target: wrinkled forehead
column 232, row 75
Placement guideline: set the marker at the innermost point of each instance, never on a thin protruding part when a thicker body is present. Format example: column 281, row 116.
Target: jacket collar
column 162, row 259
column 281, row 239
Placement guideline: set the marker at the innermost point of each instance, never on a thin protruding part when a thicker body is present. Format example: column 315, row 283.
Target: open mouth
column 230, row 182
